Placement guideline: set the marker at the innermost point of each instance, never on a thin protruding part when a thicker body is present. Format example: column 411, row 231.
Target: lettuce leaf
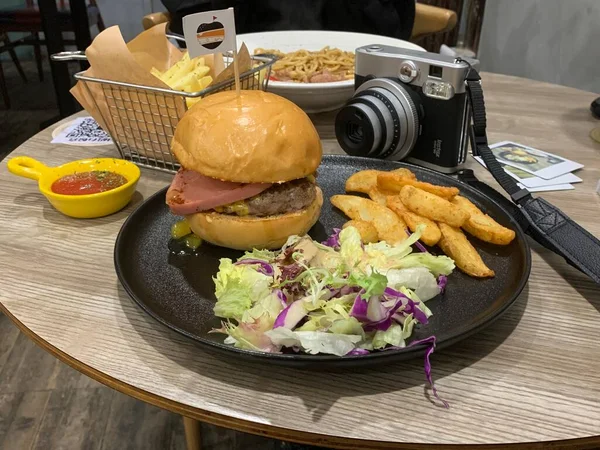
column 408, row 325
column 419, row 279
column 418, row 303
column 263, row 255
column 438, row 265
column 237, row 288
column 382, row 255
column 314, row 342
column 347, row 326
column 351, row 248
column 391, row 336
column 327, row 312
column 268, row 308
column 249, row 336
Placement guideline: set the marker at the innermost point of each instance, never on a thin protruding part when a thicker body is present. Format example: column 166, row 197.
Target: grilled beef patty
column 278, row 199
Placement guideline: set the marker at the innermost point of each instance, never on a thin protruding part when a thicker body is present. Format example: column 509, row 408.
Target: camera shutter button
column 408, row 71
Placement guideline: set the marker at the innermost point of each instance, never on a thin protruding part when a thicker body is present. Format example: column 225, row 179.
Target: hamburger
column 248, row 170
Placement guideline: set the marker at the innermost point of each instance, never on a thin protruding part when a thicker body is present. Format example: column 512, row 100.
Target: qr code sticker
column 87, row 130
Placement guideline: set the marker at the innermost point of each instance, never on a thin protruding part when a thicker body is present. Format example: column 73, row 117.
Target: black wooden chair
column 7, row 46
column 28, row 19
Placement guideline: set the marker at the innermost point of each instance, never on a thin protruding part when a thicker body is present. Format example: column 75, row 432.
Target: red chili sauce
column 84, row 183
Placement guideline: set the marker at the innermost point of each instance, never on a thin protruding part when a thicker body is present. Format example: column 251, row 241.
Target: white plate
column 316, row 97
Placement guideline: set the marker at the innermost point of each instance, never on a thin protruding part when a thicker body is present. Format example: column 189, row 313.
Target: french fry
column 433, row 207
column 201, row 71
column 188, row 83
column 204, row 83
column 178, row 70
column 199, row 62
column 391, row 181
column 187, row 76
column 368, row 232
column 362, row 181
column 389, row 226
column 455, row 244
column 431, row 233
column 483, row 226
column 157, row 73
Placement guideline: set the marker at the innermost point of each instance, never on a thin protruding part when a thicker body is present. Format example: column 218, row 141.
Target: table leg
column 37, row 51
column 193, row 436
column 4, row 88
column 81, row 27
column 54, row 43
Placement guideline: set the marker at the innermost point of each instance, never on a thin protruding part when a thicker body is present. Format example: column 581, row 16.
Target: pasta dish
column 304, row 66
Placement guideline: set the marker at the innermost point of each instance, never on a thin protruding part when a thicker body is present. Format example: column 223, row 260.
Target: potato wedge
column 394, row 182
column 433, row 207
column 455, row 244
column 362, row 181
column 483, row 226
column 431, row 234
column 405, row 173
column 365, row 180
column 390, row 227
column 367, row 231
column 379, row 196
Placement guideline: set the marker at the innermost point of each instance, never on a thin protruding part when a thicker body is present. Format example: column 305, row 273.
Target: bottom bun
column 246, row 233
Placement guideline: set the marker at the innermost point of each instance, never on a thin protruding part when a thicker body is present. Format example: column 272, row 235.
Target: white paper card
column 556, row 187
column 531, row 181
column 210, row 32
column 537, row 162
column 82, row 131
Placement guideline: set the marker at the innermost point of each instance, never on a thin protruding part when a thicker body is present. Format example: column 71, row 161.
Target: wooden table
column 533, row 376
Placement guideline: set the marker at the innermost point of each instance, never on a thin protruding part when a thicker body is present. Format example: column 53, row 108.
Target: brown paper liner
column 141, row 121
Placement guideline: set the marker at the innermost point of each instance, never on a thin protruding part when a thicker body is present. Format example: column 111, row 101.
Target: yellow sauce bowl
column 87, row 206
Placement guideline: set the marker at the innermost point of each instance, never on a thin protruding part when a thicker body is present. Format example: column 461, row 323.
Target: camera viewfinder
column 435, row 71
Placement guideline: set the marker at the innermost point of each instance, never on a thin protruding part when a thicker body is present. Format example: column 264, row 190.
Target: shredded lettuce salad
column 338, row 297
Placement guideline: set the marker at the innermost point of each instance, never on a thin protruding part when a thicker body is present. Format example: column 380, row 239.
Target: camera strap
column 544, row 222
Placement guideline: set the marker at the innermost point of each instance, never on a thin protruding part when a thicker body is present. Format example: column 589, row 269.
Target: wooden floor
column 46, row 405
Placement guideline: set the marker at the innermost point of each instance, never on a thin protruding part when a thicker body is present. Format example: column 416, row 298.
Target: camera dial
column 380, row 121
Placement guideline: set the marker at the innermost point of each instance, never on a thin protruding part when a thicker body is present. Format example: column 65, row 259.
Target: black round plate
column 178, row 291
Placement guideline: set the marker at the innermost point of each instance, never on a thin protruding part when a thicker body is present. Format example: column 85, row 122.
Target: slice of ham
column 191, row 192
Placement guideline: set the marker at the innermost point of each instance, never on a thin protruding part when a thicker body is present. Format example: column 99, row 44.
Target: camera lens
column 355, row 133
column 360, row 130
column 380, row 121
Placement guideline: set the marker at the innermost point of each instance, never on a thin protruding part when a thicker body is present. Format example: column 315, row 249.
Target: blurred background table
column 531, row 377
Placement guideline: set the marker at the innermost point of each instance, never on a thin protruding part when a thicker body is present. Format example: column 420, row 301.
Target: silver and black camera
column 408, row 105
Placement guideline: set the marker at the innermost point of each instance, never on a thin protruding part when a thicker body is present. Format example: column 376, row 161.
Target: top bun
column 259, row 138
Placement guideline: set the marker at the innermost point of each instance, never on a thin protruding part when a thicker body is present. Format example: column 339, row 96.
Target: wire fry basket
column 141, row 120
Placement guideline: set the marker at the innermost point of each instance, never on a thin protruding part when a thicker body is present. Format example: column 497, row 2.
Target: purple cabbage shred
column 427, row 366
column 442, row 281
column 420, row 246
column 359, row 308
column 358, row 352
column 333, row 241
column 264, row 267
column 282, row 297
column 409, row 305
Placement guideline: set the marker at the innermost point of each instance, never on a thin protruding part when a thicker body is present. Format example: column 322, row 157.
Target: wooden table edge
column 270, row 431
